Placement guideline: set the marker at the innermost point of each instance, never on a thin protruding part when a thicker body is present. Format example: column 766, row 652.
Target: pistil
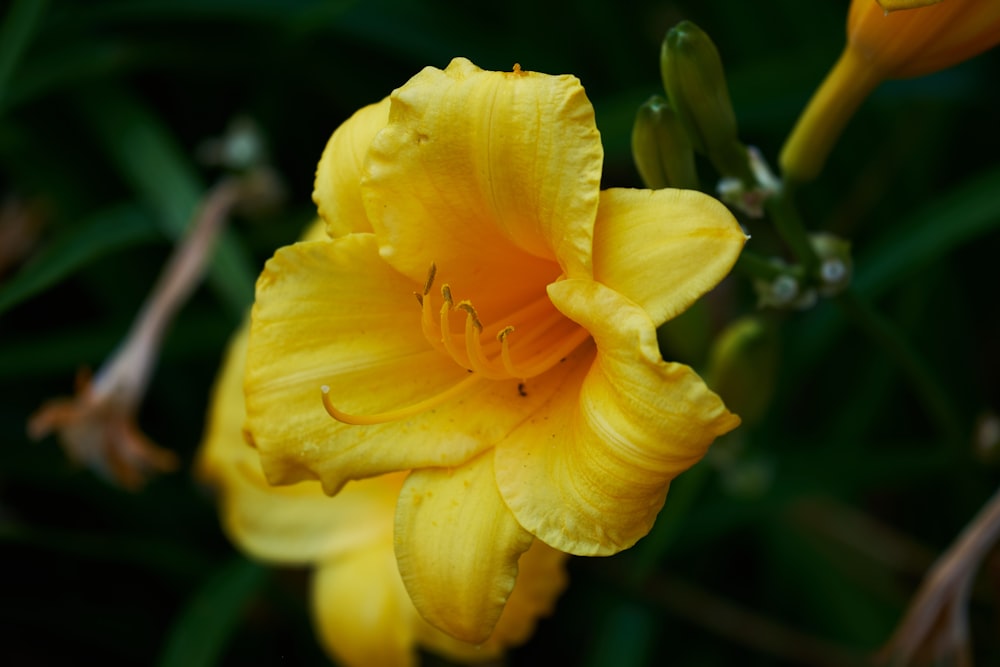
column 400, row 413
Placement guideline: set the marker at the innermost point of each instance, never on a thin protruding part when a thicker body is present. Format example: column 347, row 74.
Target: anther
column 430, row 279
column 473, row 315
column 446, row 295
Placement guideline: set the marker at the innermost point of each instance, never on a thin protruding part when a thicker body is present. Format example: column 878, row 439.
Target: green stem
column 789, row 226
column 756, row 266
column 900, row 350
column 788, row 223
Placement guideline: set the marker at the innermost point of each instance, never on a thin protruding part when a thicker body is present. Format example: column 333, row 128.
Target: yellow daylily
column 523, row 386
column 890, row 39
column 363, row 615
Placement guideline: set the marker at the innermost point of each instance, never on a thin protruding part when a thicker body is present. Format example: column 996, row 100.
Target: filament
column 540, row 363
column 460, row 357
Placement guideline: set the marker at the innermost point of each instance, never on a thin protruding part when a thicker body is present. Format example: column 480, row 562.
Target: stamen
column 548, row 339
column 542, row 328
column 524, row 314
column 473, row 315
column 430, row 279
column 427, row 288
column 540, row 363
column 427, row 324
column 459, row 356
column 474, row 346
column 399, row 413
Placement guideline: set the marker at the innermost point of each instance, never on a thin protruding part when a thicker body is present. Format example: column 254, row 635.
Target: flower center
column 494, row 351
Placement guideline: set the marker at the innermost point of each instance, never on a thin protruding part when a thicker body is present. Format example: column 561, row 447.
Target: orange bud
column 921, row 37
column 886, row 39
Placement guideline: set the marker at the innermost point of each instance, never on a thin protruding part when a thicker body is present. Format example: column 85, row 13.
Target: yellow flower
column 523, row 386
column 882, row 43
column 363, row 615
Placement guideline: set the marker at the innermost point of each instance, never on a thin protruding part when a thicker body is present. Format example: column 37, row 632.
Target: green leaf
column 156, row 168
column 200, row 634
column 229, row 10
column 18, row 28
column 959, row 217
column 69, row 65
column 98, row 236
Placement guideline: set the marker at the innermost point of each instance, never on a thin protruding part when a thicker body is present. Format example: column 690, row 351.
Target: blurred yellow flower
column 896, row 5
column 882, row 43
column 523, row 386
column 363, row 615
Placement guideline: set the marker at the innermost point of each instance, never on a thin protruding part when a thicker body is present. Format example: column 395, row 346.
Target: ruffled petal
column 457, row 546
column 591, row 478
column 364, row 615
column 541, row 577
column 361, row 611
column 663, row 249
column 333, row 313
column 474, row 160
column 296, row 524
column 337, row 190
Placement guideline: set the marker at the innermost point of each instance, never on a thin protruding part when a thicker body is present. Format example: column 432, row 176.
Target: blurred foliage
column 797, row 541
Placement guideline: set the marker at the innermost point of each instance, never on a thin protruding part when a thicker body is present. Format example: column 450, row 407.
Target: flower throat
column 487, row 352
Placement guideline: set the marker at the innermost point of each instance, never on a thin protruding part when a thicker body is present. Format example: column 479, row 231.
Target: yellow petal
column 315, row 231
column 591, row 478
column 364, row 616
column 290, row 524
column 300, row 524
column 337, row 190
column 894, row 5
column 223, row 446
column 663, row 248
column 541, row 577
column 361, row 611
column 494, row 176
column 457, row 546
column 333, row 313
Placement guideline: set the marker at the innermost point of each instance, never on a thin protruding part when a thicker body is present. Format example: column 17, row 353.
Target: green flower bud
column 742, row 367
column 661, row 147
column 696, row 85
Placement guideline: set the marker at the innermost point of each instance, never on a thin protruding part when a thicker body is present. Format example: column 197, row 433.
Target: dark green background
column 819, row 524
